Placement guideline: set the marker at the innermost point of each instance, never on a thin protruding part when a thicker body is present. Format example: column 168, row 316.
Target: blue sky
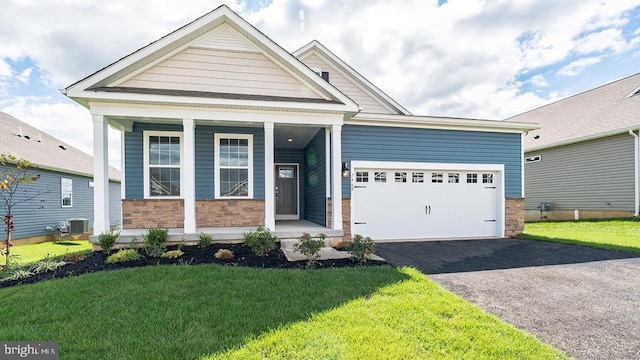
column 462, row 58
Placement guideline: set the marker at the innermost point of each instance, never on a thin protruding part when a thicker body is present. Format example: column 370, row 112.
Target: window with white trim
column 401, row 177
column 487, row 178
column 66, row 191
column 362, row 176
column 380, row 176
column 454, row 178
column 436, row 177
column 417, row 177
column 472, row 178
column 163, row 153
column 233, row 165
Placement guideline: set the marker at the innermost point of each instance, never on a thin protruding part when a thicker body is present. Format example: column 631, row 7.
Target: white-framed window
column 401, row 177
column 163, row 154
column 472, row 178
column 66, row 192
column 487, row 178
column 380, row 176
column 436, row 177
column 417, row 177
column 233, row 166
column 454, row 178
column 362, row 176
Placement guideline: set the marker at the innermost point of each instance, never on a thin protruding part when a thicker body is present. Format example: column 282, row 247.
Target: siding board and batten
column 591, row 175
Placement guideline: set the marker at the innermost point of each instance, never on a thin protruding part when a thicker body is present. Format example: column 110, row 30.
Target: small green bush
column 123, row 255
column 14, row 271
column 107, row 240
column 310, row 247
column 154, row 241
column 260, row 241
column 204, row 240
column 224, row 254
column 172, row 254
column 361, row 248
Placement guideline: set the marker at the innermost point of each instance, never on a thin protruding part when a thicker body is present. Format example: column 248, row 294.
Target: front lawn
column 226, row 312
column 29, row 254
column 615, row 234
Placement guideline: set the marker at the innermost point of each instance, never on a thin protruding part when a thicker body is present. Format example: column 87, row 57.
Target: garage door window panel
column 380, row 176
column 417, row 177
column 472, row 178
column 454, row 178
column 436, row 178
column 401, row 177
column 362, row 176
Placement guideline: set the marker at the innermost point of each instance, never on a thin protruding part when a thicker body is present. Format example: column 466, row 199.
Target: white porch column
column 336, row 166
column 189, row 176
column 100, row 174
column 269, row 180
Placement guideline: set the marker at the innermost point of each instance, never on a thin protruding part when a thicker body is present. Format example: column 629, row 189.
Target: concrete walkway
column 585, row 302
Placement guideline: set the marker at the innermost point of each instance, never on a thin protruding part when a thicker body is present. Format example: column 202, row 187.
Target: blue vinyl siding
column 372, row 143
column 315, row 180
column 204, row 158
column 32, row 217
column 295, row 156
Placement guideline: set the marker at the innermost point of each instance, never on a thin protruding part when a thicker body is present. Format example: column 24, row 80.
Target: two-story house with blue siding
column 224, row 130
column 65, row 186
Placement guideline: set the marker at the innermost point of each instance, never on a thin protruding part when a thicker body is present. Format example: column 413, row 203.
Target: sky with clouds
column 488, row 59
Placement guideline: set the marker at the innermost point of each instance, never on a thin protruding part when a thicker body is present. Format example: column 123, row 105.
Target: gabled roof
column 26, row 142
column 93, row 86
column 315, row 47
column 606, row 110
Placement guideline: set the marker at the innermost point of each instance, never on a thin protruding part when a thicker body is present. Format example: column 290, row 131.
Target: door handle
column 427, row 209
column 276, row 192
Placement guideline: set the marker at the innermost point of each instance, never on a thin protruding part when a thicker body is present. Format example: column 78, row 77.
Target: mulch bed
column 193, row 255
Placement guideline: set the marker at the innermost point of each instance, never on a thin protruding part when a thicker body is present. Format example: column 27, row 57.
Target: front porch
column 287, row 231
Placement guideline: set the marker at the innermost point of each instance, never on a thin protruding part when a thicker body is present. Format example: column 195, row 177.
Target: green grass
column 615, row 234
column 29, row 254
column 223, row 312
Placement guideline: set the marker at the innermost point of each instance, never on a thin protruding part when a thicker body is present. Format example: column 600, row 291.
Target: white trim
column 269, row 186
column 423, row 166
column 336, row 166
column 216, row 146
column 275, row 174
column 582, row 139
column 432, row 122
column 189, row 183
column 100, row 174
column 227, row 115
column 636, row 177
column 62, row 192
column 522, row 165
column 327, row 160
column 145, row 143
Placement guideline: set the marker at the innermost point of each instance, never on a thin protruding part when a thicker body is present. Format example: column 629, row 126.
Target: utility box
column 78, row 226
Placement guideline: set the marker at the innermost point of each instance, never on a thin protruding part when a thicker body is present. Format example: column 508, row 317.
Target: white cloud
column 576, row 67
column 600, row 41
column 539, row 81
column 5, row 69
column 24, row 75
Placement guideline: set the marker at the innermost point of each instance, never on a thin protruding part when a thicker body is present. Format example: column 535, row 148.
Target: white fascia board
column 391, row 165
column 89, row 96
column 432, row 122
column 310, row 48
column 582, row 139
column 218, row 114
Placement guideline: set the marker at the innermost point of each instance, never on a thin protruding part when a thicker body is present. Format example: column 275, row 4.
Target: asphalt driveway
column 583, row 301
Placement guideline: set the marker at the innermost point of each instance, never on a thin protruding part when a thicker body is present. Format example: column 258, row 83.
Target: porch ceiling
column 299, row 135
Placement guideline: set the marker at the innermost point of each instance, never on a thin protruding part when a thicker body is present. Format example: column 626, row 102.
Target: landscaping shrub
column 260, row 241
column 173, row 254
column 123, row 255
column 310, row 247
column 107, row 240
column 224, row 254
column 14, row 271
column 154, row 241
column 361, row 248
column 204, row 240
column 46, row 265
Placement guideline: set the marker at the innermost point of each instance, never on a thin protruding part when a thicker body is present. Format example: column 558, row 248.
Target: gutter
column 636, row 167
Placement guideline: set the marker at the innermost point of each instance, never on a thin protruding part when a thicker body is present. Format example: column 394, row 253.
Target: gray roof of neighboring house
column 44, row 150
column 606, row 110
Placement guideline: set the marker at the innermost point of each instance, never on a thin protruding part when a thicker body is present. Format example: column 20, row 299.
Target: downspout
column 636, row 166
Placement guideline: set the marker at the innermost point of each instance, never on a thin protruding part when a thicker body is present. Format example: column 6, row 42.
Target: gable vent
column 532, row 159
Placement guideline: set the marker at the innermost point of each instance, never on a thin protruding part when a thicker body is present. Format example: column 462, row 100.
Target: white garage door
column 414, row 204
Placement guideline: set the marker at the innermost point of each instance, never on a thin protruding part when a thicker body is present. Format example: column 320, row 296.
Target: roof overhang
column 583, row 139
column 444, row 123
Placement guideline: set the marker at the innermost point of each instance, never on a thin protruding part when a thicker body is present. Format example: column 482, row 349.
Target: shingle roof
column 606, row 110
column 27, row 142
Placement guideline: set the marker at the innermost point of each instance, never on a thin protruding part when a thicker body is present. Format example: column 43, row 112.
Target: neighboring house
column 65, row 182
column 585, row 155
column 224, row 130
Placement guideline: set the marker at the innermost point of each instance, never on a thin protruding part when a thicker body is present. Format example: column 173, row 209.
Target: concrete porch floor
column 285, row 230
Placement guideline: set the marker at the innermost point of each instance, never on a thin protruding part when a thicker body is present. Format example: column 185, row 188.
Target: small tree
column 12, row 180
